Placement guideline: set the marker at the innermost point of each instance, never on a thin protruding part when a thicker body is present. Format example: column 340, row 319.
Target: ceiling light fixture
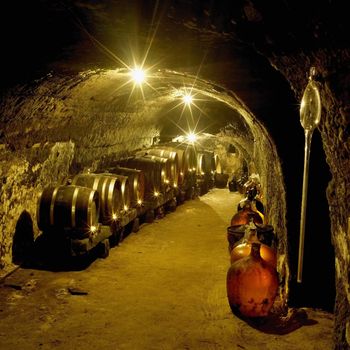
column 187, row 99
column 138, row 75
column 191, row 137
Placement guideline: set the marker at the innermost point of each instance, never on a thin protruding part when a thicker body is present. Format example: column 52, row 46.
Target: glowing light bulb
column 114, row 217
column 138, row 75
column 93, row 229
column 156, row 194
column 126, row 207
column 187, row 99
column 139, row 202
column 191, row 137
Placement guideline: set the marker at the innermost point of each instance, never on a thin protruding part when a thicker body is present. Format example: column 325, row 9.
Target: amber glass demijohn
column 243, row 249
column 252, row 285
column 244, row 216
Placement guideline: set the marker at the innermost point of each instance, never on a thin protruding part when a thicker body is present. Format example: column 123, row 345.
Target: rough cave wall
column 231, row 163
column 268, row 166
column 23, row 176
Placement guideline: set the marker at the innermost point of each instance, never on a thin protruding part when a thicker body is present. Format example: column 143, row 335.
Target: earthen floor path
column 162, row 288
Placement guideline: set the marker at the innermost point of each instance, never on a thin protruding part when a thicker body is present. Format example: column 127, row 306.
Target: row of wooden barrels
column 141, row 180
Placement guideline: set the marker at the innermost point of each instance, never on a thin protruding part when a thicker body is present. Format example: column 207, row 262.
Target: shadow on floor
column 48, row 251
column 279, row 324
column 52, row 253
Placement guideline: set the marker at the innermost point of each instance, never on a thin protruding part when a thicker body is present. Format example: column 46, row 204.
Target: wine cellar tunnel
column 71, row 107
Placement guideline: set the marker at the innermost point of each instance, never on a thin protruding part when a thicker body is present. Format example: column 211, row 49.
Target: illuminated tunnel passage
column 231, row 72
column 68, row 125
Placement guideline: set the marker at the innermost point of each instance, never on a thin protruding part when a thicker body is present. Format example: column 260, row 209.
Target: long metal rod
column 308, row 136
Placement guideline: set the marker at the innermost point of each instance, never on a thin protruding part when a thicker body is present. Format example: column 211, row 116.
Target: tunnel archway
column 89, row 120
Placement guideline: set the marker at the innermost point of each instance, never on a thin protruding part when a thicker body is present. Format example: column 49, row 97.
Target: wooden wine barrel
column 165, row 163
column 136, row 183
column 68, row 207
column 201, row 164
column 187, row 161
column 210, row 166
column 221, row 180
column 152, row 169
column 124, row 189
column 218, row 167
column 173, row 160
column 109, row 189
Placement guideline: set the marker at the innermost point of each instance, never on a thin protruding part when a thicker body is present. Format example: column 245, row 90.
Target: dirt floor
column 163, row 287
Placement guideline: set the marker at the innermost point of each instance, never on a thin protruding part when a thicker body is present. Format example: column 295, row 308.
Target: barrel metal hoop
column 89, row 208
column 38, row 207
column 122, row 189
column 136, row 185
column 103, row 189
column 74, row 203
column 110, row 189
column 52, row 206
column 95, row 185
